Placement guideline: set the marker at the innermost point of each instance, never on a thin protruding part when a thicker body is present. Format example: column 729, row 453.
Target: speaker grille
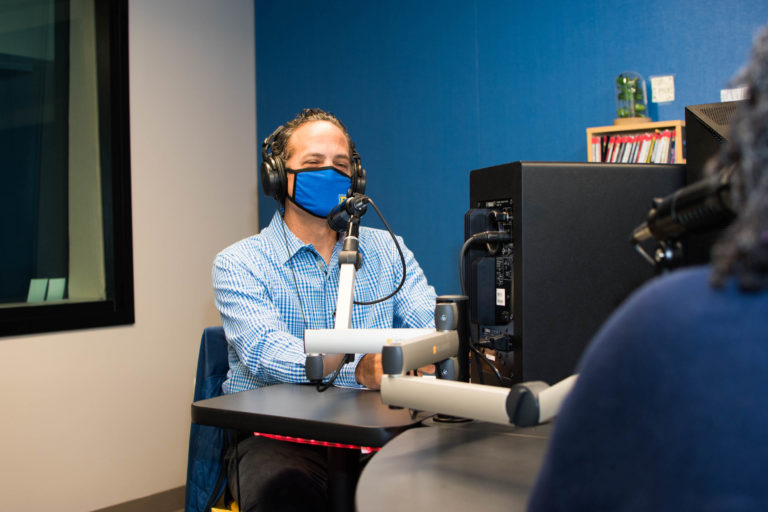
column 720, row 115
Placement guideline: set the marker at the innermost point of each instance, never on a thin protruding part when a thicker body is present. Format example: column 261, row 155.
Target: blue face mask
column 318, row 191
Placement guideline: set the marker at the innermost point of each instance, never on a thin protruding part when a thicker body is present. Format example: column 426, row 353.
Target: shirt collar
column 287, row 245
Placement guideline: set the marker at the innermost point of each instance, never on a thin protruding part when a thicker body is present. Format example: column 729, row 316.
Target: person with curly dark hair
column 743, row 250
column 670, row 411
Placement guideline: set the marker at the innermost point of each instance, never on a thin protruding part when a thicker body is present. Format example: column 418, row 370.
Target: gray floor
column 171, row 500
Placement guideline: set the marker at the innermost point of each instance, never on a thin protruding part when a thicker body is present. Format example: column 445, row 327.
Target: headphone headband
column 266, row 146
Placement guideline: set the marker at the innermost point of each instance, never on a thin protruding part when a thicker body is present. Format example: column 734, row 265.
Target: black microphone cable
column 347, row 358
column 361, row 200
column 482, row 237
column 322, row 386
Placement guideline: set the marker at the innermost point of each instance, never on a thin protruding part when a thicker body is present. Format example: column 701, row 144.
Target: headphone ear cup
column 273, row 180
column 358, row 186
column 358, row 174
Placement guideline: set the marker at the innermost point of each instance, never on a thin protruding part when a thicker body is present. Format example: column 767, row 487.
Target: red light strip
column 301, row 440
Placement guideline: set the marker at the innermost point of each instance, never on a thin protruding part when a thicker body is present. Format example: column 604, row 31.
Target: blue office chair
column 206, row 478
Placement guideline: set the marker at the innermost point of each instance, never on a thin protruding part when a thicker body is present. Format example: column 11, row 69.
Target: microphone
column 339, row 217
column 697, row 208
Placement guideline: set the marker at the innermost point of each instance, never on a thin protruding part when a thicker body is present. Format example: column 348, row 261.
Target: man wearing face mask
column 271, row 287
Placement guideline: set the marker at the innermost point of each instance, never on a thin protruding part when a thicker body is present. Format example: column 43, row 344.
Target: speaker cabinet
column 569, row 264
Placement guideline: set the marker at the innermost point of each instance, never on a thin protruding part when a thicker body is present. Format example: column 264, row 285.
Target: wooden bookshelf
column 639, row 128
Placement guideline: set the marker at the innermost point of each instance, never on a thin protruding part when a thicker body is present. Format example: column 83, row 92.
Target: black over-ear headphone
column 273, row 178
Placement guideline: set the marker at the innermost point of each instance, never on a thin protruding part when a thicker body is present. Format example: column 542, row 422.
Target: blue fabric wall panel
column 556, row 68
column 402, row 77
column 433, row 90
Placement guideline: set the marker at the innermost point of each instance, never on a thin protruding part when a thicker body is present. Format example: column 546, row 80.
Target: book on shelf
column 596, row 147
column 656, row 147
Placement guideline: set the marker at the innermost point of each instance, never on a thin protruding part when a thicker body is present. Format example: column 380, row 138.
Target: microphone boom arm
column 524, row 405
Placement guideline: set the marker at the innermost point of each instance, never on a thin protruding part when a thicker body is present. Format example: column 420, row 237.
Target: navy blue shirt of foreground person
column 670, row 411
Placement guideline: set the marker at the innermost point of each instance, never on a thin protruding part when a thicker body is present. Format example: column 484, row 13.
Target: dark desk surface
column 337, row 415
column 472, row 466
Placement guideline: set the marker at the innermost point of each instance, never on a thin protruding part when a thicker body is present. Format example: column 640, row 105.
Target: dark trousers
column 270, row 475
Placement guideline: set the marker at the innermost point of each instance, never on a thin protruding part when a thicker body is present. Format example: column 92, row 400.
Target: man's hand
column 430, row 370
column 369, row 372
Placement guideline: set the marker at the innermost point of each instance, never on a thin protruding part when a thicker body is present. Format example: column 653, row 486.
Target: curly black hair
column 742, row 251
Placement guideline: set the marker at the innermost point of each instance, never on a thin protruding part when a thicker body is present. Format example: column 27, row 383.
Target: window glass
column 64, row 171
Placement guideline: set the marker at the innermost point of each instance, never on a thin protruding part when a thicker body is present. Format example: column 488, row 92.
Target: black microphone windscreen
column 338, row 219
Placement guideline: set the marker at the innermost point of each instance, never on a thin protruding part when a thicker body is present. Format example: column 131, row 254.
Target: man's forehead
column 314, row 129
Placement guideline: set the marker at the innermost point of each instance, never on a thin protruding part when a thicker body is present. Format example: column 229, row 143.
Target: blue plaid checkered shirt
column 259, row 300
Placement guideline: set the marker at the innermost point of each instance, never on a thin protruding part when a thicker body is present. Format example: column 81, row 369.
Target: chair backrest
column 205, row 472
column 212, row 364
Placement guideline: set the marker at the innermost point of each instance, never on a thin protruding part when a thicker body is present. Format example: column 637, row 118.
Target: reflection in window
column 63, row 171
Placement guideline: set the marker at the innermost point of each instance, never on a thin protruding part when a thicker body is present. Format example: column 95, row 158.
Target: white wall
column 97, row 417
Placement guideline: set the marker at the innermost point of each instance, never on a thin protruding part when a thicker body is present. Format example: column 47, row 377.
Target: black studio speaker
column 569, row 263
